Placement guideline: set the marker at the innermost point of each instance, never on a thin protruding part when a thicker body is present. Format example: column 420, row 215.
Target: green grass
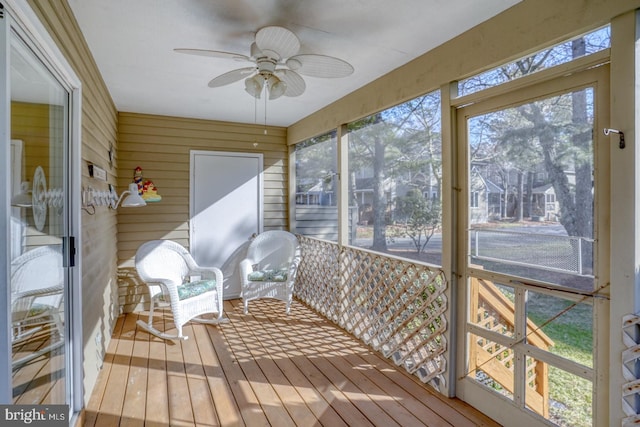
column 571, row 399
column 572, row 333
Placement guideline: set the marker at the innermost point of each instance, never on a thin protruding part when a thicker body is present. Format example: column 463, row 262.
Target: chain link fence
column 546, row 251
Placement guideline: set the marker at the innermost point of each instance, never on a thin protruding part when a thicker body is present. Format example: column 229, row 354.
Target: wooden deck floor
column 40, row 380
column 261, row 369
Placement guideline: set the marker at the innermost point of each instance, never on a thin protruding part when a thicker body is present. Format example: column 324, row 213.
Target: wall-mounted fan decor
column 277, row 66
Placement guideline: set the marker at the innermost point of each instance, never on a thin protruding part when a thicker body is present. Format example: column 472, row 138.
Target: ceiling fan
column 277, row 66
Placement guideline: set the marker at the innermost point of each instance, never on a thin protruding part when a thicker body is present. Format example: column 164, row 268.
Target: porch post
column 624, row 260
column 449, row 232
column 292, row 200
column 343, row 193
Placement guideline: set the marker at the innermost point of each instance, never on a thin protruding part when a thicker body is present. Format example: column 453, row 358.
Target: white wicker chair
column 171, row 273
column 270, row 268
column 37, row 285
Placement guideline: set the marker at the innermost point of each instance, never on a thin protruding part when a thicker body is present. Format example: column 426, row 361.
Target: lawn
column 572, row 333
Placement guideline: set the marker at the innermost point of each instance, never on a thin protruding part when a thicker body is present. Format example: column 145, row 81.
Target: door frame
column 16, row 188
column 19, row 17
column 542, row 85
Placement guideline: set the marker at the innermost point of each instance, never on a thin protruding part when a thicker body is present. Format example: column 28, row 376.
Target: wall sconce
column 133, row 199
column 39, row 198
column 23, row 199
column 129, row 198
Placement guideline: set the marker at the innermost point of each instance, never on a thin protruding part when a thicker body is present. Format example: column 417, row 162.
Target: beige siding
column 99, row 126
column 161, row 146
column 30, row 124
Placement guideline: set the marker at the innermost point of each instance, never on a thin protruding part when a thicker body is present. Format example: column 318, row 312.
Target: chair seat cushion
column 38, row 309
column 35, row 310
column 193, row 289
column 268, row 276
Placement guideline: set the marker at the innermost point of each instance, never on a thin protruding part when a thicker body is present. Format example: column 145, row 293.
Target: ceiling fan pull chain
column 255, row 110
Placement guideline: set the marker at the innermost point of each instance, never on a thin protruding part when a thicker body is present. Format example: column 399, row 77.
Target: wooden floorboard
column 221, row 393
column 133, row 409
column 264, row 368
column 40, row 379
column 290, row 382
column 156, row 407
column 93, row 406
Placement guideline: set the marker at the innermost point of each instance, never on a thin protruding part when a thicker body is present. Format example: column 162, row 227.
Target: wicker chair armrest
column 207, row 272
column 161, row 281
column 52, row 290
column 246, row 267
column 212, row 273
column 169, row 287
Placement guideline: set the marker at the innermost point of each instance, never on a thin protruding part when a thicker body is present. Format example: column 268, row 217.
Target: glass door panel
column 39, row 134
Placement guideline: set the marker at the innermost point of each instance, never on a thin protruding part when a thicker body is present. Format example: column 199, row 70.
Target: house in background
column 101, row 244
column 486, row 199
column 545, row 204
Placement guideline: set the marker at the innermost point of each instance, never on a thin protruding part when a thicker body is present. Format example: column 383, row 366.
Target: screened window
column 567, row 51
column 533, row 236
column 475, row 196
column 395, row 180
column 317, row 187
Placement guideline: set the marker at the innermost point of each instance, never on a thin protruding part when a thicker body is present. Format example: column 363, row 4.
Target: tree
column 418, row 217
column 368, row 143
column 552, row 135
column 399, row 146
column 316, row 160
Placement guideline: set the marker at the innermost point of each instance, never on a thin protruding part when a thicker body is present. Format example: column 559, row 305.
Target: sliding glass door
column 38, row 110
column 39, row 140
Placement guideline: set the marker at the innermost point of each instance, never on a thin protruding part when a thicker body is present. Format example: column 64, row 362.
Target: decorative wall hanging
column 38, row 198
column 146, row 189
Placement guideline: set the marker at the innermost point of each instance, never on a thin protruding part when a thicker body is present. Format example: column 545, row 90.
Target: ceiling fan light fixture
column 253, row 85
column 276, row 87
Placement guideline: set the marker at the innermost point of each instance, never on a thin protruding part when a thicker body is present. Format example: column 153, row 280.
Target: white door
column 225, row 210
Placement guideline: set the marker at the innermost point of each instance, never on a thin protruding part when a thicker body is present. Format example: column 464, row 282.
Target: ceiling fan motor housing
column 266, row 66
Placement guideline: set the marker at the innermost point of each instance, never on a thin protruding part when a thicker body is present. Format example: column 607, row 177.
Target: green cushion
column 257, row 276
column 279, row 276
column 196, row 288
column 38, row 309
column 268, row 276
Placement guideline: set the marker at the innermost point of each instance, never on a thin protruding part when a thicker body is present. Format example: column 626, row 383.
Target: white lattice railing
column 630, row 370
column 395, row 306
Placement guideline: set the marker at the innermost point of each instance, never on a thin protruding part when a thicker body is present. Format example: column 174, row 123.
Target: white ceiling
column 133, row 42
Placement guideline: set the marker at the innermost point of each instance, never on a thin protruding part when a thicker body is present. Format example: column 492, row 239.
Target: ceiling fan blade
column 319, row 66
column 295, row 83
column 277, row 42
column 213, row 53
column 231, row 76
column 255, row 51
